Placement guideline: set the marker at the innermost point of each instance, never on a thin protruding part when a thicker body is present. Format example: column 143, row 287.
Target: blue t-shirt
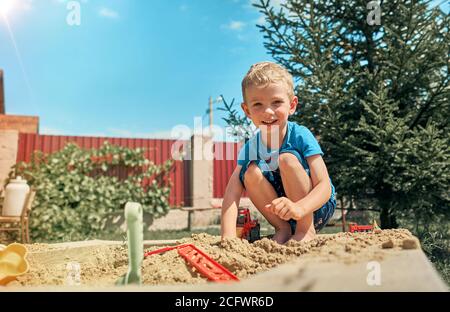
column 298, row 141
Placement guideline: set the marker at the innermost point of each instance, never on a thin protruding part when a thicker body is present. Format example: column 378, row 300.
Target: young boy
column 281, row 167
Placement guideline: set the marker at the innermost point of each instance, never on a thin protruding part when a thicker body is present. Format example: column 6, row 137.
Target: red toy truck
column 246, row 227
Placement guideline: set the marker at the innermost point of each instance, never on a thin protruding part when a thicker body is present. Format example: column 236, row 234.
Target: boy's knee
column 288, row 161
column 252, row 174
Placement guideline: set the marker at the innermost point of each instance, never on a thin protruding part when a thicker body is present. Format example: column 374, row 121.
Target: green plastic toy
column 133, row 217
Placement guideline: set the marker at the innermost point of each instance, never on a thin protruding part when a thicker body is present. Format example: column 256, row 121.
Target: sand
column 102, row 265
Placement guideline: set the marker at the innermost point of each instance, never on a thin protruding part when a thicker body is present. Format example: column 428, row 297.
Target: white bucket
column 15, row 196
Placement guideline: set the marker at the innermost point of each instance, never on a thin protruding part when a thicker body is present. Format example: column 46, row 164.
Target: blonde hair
column 263, row 73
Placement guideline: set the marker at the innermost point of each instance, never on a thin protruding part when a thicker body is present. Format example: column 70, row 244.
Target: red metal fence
column 158, row 151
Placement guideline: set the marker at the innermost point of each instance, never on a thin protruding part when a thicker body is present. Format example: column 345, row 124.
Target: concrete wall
column 10, row 126
column 202, row 171
column 8, row 153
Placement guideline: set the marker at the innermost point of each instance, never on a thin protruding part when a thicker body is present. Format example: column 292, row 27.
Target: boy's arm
column 321, row 187
column 230, row 204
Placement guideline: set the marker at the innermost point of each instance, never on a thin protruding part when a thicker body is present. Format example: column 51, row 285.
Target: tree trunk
column 387, row 219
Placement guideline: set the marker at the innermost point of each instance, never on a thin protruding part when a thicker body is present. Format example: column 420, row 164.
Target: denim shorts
column 321, row 215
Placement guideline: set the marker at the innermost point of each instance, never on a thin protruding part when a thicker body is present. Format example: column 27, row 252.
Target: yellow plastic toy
column 12, row 262
column 375, row 225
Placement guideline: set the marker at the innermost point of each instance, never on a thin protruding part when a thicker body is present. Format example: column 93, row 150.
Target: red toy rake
column 201, row 261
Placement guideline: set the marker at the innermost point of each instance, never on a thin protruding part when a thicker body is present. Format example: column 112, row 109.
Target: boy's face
column 269, row 105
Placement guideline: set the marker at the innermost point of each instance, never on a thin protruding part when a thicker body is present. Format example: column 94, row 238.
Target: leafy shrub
column 77, row 194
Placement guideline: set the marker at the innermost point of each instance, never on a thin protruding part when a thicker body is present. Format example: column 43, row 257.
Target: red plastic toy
column 246, row 227
column 201, row 261
column 353, row 227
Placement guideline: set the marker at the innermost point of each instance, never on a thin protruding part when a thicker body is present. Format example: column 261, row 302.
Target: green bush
column 77, row 195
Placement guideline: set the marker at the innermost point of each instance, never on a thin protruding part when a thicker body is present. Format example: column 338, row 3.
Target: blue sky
column 133, row 68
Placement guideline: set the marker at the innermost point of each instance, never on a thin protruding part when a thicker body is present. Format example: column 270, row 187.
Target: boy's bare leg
column 297, row 184
column 261, row 193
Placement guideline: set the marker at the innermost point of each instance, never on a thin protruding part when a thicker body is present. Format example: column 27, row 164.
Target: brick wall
column 2, row 94
column 23, row 124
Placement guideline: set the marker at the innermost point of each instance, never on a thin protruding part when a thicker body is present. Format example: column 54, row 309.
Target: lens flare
column 6, row 6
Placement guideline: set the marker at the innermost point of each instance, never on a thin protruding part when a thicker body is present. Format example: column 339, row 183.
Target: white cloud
column 92, row 134
column 242, row 37
column 165, row 135
column 261, row 20
column 108, row 13
column 237, row 51
column 26, row 5
column 234, row 25
column 51, row 131
column 174, row 134
column 56, row 131
column 65, row 1
column 125, row 133
column 276, row 4
column 121, row 132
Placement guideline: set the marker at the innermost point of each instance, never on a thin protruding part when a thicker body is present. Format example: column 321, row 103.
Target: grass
column 435, row 241
column 266, row 229
column 331, row 230
column 177, row 234
column 165, row 234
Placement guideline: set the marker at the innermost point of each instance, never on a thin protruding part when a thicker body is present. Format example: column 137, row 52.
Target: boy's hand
column 285, row 209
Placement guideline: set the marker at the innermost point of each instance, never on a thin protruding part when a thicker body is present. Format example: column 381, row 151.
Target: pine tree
column 376, row 94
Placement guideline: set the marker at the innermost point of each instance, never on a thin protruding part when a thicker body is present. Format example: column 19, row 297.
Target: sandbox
column 336, row 262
